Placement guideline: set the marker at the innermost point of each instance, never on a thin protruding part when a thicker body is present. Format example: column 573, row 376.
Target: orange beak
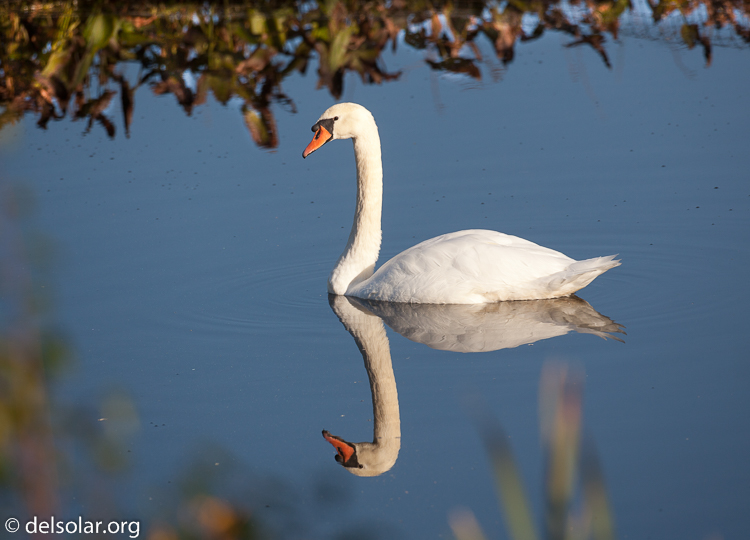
column 321, row 137
column 344, row 449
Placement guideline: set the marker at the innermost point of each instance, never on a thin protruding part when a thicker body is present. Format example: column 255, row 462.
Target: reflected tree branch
column 60, row 57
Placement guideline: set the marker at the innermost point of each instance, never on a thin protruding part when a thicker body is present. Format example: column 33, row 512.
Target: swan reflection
column 376, row 457
column 458, row 328
column 489, row 327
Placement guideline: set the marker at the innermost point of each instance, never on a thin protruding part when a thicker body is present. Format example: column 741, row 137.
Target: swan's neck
column 357, row 262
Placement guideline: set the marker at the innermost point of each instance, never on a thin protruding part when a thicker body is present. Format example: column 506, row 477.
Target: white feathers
column 477, row 266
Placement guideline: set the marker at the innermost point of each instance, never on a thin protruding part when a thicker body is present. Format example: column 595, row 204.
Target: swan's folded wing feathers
column 456, row 266
column 479, row 266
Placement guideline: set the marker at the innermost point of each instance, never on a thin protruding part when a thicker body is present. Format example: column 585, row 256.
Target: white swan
column 465, row 267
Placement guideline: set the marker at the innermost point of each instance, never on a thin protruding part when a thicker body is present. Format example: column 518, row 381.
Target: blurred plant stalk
column 576, row 503
column 27, row 456
column 60, row 57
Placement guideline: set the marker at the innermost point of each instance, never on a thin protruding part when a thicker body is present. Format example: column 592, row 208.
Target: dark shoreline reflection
column 458, row 328
column 65, row 57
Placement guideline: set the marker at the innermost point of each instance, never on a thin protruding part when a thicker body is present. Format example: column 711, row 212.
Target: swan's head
column 342, row 121
column 365, row 458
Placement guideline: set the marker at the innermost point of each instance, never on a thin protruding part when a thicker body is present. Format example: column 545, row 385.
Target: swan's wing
column 462, row 267
column 471, row 266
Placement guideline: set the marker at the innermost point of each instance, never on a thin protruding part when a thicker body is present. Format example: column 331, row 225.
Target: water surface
column 191, row 267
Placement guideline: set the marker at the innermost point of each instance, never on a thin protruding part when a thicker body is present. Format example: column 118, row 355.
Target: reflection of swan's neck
column 369, row 334
column 377, row 356
column 357, row 262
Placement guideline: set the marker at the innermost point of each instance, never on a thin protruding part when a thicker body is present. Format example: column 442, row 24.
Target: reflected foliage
column 61, row 58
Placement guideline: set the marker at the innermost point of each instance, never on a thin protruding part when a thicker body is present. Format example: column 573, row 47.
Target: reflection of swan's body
column 466, row 267
column 458, row 328
column 378, row 456
column 489, row 327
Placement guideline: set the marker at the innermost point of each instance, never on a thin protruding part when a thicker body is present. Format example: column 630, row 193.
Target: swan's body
column 466, row 267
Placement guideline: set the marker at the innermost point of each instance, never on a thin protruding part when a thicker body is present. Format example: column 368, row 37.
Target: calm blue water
column 191, row 269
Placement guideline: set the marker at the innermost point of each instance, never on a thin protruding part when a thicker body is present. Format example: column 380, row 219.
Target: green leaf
column 99, row 30
column 337, row 55
column 258, row 24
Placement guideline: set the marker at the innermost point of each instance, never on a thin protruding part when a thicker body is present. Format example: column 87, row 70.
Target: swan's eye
column 335, row 117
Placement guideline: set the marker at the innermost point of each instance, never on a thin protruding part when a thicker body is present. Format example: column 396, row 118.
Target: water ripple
column 281, row 297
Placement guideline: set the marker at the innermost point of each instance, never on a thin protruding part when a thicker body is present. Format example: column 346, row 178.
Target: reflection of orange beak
column 321, row 137
column 345, row 450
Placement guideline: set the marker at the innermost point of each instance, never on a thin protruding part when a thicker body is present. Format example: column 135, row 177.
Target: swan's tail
column 581, row 273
